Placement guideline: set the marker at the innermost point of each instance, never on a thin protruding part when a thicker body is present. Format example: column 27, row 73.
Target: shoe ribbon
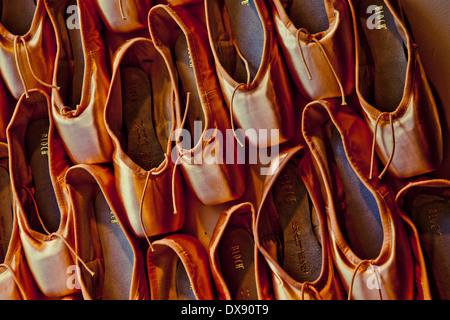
column 19, row 69
column 247, row 68
column 122, row 13
column 311, row 38
column 374, row 141
column 92, row 273
column 377, row 276
column 311, row 288
column 154, row 173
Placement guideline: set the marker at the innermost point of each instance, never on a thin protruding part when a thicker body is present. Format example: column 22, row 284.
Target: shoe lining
column 309, row 14
column 241, row 24
column 302, row 252
column 430, row 213
column 383, row 75
column 6, row 213
column 359, row 218
column 37, row 151
column 17, row 15
column 183, row 283
column 76, row 42
column 137, row 101
column 188, row 83
column 116, row 250
column 236, row 255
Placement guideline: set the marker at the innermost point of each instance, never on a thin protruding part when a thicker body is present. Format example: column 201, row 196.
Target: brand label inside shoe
column 237, row 257
column 191, row 65
column 112, row 218
column 287, row 188
column 245, row 2
column 289, row 196
column 433, row 218
column 132, row 92
column 376, row 20
column 246, row 295
column 143, row 140
column 300, row 249
column 44, row 144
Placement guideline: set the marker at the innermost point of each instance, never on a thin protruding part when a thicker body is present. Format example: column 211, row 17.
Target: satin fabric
column 209, row 159
column 179, row 248
column 124, row 16
column 88, row 180
column 416, row 125
column 86, row 119
column 48, row 255
column 268, row 237
column 132, row 181
column 393, row 266
column 338, row 43
column 422, row 274
column 266, row 102
column 40, row 43
column 16, row 281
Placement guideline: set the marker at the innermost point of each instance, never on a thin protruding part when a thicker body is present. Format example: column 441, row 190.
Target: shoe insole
column 75, row 38
column 302, row 251
column 236, row 254
column 309, row 14
column 137, row 104
column 117, row 253
column 37, row 147
column 17, row 15
column 249, row 33
column 6, row 213
column 195, row 116
column 431, row 215
column 183, row 283
column 361, row 221
column 387, row 51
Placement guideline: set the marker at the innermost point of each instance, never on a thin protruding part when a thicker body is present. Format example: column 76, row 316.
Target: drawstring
column 322, row 49
column 141, row 205
column 377, row 276
column 19, row 69
column 8, row 267
column 92, row 273
column 301, row 52
column 122, row 13
column 247, row 69
column 391, row 157
column 312, row 288
column 175, row 211
column 231, row 113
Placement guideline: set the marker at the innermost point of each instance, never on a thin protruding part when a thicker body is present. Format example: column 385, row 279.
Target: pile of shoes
column 134, row 139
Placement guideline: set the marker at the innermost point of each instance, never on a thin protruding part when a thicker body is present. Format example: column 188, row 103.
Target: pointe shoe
column 124, row 16
column 317, row 45
column 102, row 237
column 139, row 116
column 16, row 281
column 178, row 269
column 183, row 42
column 37, row 166
column 425, row 204
column 396, row 99
column 27, row 47
column 369, row 242
column 233, row 255
column 252, row 75
column 83, row 79
column 291, row 231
